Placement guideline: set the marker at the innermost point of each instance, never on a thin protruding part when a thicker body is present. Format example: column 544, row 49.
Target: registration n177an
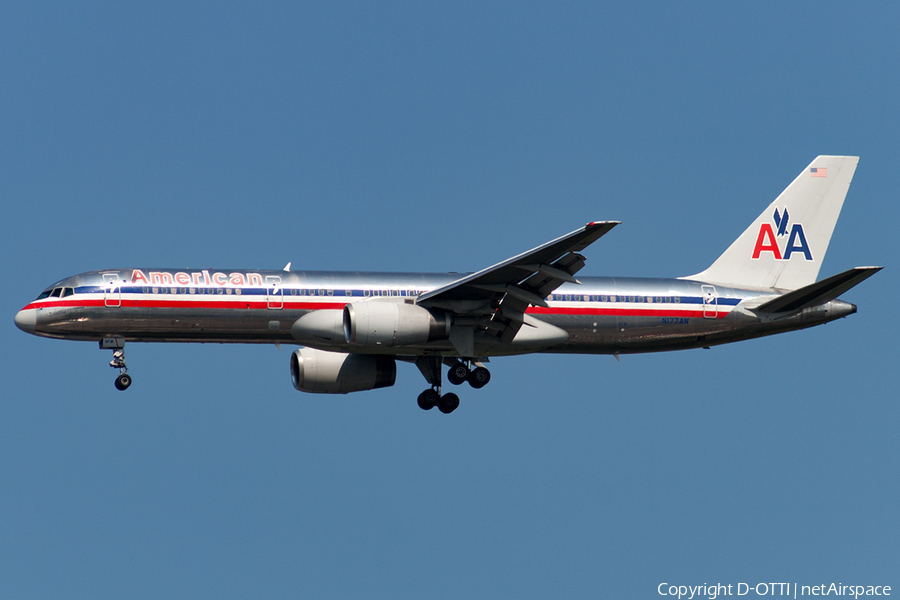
column 354, row 327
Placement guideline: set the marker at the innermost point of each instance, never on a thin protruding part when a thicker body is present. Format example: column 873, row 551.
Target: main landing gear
column 117, row 344
column 432, row 397
column 460, row 371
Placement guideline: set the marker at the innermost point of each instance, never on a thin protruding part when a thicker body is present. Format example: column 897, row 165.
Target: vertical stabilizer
column 785, row 245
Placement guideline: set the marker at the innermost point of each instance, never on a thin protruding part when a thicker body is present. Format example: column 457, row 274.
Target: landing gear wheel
column 123, row 381
column 428, row 399
column 458, row 373
column 448, row 403
column 479, row 377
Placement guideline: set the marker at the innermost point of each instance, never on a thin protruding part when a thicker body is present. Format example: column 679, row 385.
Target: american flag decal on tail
column 818, row 172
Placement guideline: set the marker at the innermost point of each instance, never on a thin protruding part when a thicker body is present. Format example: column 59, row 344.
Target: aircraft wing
column 495, row 299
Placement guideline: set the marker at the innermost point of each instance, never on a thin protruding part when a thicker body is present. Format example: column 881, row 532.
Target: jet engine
column 321, row 372
column 320, row 329
column 390, row 324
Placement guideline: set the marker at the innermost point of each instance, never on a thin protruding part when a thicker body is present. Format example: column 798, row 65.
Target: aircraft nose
column 26, row 319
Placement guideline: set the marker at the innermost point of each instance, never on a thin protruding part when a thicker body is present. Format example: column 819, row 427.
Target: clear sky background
column 422, row 137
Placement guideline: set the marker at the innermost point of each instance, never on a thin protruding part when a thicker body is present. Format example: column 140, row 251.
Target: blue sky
column 415, row 137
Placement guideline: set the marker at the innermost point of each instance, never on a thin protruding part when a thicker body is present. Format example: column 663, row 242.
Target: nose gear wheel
column 123, row 381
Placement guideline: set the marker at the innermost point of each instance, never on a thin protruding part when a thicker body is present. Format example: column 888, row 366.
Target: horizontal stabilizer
column 819, row 292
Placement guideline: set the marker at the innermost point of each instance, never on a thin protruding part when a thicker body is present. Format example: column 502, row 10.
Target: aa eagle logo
column 767, row 239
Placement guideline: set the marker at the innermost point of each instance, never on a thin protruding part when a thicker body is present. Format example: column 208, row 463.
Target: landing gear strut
column 117, row 344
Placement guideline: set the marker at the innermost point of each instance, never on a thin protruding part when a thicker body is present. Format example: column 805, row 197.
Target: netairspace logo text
column 794, row 590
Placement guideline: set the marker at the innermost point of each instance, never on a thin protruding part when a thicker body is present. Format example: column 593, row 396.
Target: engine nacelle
column 320, row 329
column 321, row 372
column 391, row 324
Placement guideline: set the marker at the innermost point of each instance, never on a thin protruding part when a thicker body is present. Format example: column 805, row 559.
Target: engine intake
column 320, row 372
column 391, row 324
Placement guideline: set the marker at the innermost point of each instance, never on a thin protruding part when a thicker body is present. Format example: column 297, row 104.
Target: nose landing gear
column 117, row 345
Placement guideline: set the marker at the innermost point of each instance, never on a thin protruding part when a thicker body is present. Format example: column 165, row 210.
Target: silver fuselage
column 602, row 315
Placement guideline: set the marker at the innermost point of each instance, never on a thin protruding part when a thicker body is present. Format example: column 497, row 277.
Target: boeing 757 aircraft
column 353, row 327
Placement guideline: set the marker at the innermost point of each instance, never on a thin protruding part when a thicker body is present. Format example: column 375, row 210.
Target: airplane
column 353, row 327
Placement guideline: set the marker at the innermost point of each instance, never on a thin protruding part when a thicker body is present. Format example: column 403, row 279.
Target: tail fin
column 785, row 245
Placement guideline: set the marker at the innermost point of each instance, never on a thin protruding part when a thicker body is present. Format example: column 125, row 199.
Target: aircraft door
column 710, row 302
column 274, row 292
column 112, row 291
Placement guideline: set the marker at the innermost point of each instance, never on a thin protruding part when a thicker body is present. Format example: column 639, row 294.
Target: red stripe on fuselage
column 229, row 304
column 233, row 304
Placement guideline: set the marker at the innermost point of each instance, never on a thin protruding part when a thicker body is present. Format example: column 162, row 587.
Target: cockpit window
column 56, row 292
column 44, row 294
column 68, row 292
